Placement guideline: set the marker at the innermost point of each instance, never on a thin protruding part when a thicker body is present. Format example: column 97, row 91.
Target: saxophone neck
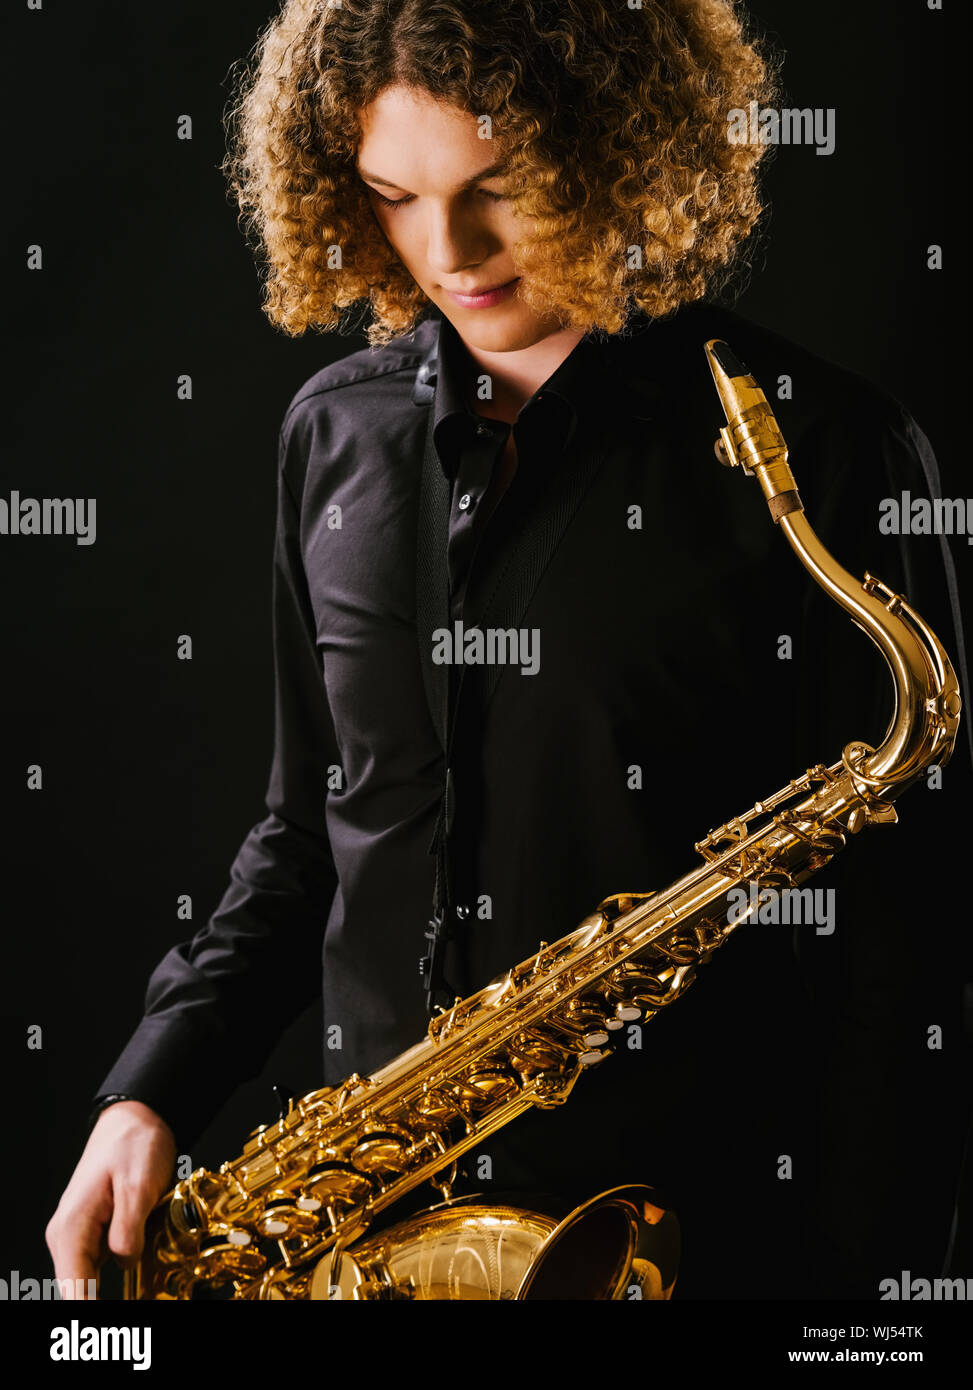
column 925, row 720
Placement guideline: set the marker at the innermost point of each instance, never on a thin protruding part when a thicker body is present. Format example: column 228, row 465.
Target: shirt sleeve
column 886, row 985
column 216, row 1005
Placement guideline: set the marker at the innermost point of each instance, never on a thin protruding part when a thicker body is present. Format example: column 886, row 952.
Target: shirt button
column 465, row 501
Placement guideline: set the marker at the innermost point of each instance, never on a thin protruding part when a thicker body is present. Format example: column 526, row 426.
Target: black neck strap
column 432, row 611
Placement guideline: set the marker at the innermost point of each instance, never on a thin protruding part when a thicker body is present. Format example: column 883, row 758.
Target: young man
column 570, row 497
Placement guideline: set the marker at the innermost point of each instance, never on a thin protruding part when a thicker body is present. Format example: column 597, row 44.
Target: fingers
column 75, row 1240
column 123, row 1171
column 126, row 1234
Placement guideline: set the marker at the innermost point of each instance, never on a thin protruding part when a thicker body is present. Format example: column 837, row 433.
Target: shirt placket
column 478, row 458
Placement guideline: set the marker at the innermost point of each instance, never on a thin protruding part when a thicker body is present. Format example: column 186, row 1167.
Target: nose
column 455, row 239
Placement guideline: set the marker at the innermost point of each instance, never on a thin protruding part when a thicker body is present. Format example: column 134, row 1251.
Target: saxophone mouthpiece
column 751, row 438
column 738, row 392
column 722, row 357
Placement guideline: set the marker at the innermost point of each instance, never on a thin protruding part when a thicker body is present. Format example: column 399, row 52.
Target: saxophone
column 296, row 1215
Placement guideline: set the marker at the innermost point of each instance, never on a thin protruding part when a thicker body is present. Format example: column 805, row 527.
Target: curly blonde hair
column 615, row 120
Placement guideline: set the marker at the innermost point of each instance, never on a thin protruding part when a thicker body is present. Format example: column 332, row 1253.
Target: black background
column 154, row 768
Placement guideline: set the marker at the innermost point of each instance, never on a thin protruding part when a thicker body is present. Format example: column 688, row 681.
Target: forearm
column 216, row 1005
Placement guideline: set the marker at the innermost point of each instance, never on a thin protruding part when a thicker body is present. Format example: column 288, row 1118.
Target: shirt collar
column 601, row 381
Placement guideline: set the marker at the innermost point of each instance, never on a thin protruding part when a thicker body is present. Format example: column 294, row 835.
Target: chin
column 508, row 328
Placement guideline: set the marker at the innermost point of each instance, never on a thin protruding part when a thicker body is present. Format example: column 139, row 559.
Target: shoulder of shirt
column 366, row 367
column 842, row 429
column 823, row 393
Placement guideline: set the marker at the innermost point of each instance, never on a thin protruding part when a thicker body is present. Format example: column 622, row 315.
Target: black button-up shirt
column 688, row 666
column 471, row 445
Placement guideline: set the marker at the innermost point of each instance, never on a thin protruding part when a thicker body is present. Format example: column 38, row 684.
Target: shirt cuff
column 102, row 1103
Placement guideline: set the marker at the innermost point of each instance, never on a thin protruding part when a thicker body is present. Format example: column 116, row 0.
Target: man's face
column 450, row 225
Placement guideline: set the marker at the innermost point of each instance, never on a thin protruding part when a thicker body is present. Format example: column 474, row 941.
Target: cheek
column 510, row 229
column 399, row 236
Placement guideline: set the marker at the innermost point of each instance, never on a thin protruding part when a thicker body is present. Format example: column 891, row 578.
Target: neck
column 515, row 376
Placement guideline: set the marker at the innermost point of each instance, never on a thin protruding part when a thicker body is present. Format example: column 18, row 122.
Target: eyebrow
column 488, row 173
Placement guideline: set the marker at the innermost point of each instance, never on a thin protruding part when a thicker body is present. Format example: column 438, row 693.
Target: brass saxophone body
column 295, row 1215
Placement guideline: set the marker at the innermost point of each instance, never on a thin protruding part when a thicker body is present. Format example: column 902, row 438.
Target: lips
column 483, row 289
column 484, row 298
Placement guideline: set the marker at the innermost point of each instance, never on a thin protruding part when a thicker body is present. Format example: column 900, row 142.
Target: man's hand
column 125, row 1168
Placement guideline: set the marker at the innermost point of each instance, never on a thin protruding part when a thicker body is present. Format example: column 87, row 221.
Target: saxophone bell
column 622, row 1244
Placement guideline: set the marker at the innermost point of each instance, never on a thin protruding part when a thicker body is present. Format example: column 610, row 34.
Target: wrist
column 102, row 1104
column 143, row 1112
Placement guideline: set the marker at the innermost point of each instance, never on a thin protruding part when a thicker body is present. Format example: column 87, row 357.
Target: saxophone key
column 217, row 1261
column 593, row 1056
column 381, row 1150
column 528, row 1054
column 585, row 1015
column 493, row 1084
column 282, row 1218
column 626, row 1013
column 434, row 1108
column 332, row 1182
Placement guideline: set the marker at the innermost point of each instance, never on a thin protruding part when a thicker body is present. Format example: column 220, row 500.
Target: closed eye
column 399, row 202
column 392, row 202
